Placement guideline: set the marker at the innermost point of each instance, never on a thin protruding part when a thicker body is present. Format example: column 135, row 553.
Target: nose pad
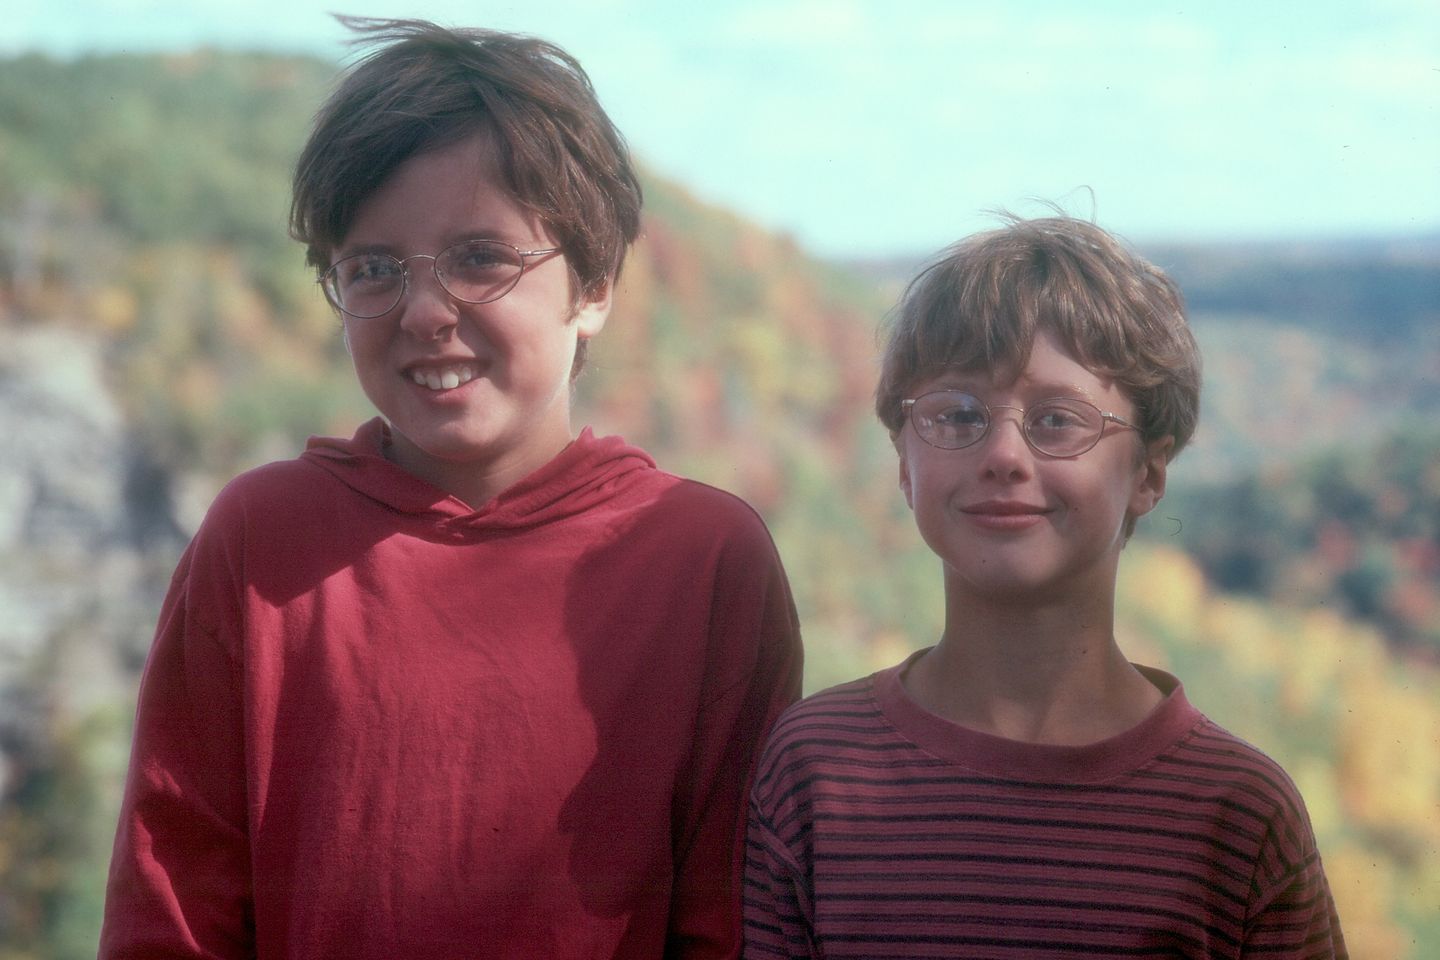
column 1006, row 451
column 428, row 312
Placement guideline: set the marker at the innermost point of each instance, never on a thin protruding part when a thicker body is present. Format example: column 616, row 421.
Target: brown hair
column 428, row 87
column 981, row 303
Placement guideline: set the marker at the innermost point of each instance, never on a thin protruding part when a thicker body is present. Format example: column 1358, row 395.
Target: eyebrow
column 342, row 252
column 450, row 240
column 1051, row 390
column 1042, row 389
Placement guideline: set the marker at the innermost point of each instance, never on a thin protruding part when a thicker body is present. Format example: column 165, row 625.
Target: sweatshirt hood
column 588, row 471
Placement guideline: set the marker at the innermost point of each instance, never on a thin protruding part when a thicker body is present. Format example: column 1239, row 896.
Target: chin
column 453, row 442
column 1010, row 583
column 457, row 450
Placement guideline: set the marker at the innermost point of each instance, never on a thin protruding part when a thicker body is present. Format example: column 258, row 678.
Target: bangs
column 982, row 302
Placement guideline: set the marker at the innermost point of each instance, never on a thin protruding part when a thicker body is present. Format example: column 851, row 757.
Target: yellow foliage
column 1315, row 777
column 889, row 648
column 1166, row 586
column 1389, row 752
column 112, row 310
column 240, row 311
column 1248, row 632
column 1363, row 886
column 1313, row 670
column 760, row 348
column 196, row 389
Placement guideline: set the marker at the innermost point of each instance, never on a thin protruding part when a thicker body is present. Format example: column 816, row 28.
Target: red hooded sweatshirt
column 376, row 722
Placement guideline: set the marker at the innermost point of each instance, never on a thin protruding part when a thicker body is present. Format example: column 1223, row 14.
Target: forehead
column 447, row 193
column 1050, row 370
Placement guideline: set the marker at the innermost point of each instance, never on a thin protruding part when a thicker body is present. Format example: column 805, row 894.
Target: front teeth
column 443, row 378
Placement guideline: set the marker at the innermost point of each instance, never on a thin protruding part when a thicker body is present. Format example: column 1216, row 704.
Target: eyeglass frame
column 908, row 408
column 434, row 259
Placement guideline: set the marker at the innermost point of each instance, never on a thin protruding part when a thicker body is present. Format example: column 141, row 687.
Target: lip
column 1004, row 514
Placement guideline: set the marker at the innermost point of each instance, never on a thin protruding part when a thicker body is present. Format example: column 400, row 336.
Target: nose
column 427, row 311
column 1005, row 452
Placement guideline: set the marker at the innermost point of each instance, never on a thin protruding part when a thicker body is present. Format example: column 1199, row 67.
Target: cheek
column 929, row 499
column 363, row 345
column 527, row 332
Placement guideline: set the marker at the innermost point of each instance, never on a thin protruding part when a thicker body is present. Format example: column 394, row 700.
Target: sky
column 890, row 127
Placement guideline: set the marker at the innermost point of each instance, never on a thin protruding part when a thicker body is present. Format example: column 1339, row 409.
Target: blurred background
column 159, row 333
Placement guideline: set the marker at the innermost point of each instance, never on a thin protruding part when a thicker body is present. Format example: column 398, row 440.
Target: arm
column 180, row 877
column 777, row 907
column 1292, row 914
column 753, row 631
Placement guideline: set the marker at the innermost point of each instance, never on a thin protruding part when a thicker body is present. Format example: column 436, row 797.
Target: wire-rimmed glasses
column 1059, row 427
column 368, row 285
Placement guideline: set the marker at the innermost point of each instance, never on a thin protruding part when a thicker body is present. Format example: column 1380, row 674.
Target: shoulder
column 261, row 507
column 1262, row 812
column 1218, row 763
column 277, row 493
column 703, row 518
column 849, row 706
column 636, row 487
column 1241, row 777
column 283, row 482
column 720, row 506
column 835, row 751
column 825, row 726
column 274, row 508
column 1221, row 756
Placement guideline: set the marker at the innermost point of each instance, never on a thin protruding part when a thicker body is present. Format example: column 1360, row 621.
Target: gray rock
column 78, row 582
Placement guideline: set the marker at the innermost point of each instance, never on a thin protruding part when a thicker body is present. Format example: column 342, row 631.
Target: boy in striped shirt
column 1020, row 789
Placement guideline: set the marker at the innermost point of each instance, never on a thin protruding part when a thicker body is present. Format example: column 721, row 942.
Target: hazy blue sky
column 880, row 126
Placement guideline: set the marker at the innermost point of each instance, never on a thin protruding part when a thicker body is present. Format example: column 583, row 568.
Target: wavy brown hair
column 981, row 303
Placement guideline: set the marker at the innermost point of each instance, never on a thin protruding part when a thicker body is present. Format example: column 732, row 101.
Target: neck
column 473, row 482
column 1037, row 673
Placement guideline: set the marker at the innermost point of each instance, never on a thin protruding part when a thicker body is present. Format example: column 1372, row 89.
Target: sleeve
column 755, row 654
column 1292, row 913
column 179, row 884
column 776, row 904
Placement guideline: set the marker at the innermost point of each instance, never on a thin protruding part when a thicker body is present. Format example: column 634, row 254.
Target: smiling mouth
column 1003, row 510
column 1004, row 517
column 446, row 377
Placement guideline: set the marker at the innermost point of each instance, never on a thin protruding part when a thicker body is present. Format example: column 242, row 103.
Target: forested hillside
column 1356, row 529
column 160, row 333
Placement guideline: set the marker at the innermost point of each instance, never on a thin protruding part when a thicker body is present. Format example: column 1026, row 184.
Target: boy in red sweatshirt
column 1020, row 789
column 467, row 683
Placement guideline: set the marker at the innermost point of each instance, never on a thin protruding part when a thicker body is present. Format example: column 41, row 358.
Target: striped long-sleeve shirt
column 879, row 830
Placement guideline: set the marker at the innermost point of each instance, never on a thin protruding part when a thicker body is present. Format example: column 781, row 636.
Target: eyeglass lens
column 476, row 271
column 953, row 420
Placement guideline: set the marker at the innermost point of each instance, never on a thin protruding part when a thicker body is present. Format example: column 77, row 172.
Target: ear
column 1150, row 476
column 905, row 485
column 590, row 316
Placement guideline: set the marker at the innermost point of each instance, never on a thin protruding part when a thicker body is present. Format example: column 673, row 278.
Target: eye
column 1058, row 417
column 950, row 418
column 959, row 416
column 368, row 271
column 479, row 259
